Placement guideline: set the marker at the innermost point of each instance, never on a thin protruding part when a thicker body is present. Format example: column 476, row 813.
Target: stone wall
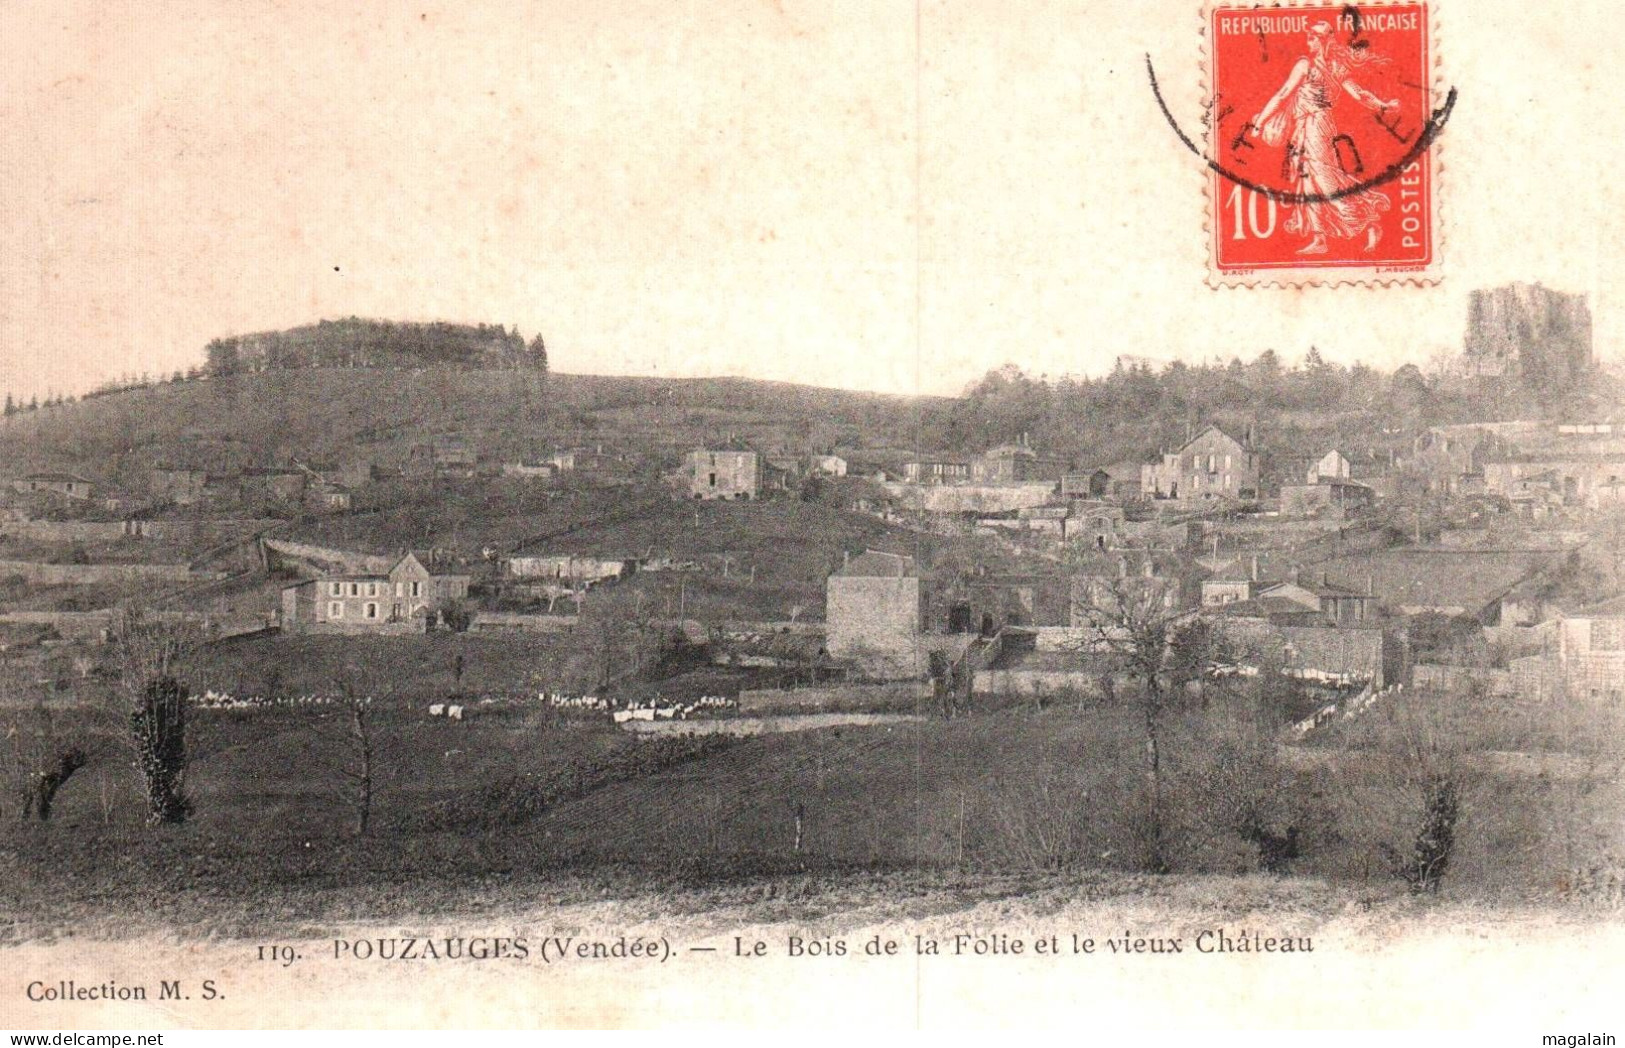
column 1461, row 678
column 202, row 531
column 503, row 621
column 847, row 697
column 99, row 574
column 324, row 560
column 971, row 498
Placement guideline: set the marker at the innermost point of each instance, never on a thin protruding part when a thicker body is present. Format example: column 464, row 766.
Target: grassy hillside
column 1000, row 792
column 336, row 414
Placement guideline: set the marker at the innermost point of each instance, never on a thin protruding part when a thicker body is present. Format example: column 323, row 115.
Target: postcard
column 794, row 516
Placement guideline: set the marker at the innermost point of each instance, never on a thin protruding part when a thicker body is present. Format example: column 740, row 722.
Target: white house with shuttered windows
column 399, row 602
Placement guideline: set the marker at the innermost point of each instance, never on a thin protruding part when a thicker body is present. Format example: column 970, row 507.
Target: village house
column 1298, row 602
column 936, row 471
column 1237, row 581
column 1095, row 524
column 444, row 457
column 397, row 601
column 999, row 600
column 1330, row 466
column 1015, row 464
column 524, row 470
column 1359, row 656
column 724, row 474
column 1576, row 481
column 1327, row 498
column 874, row 613
column 329, row 497
column 775, row 477
column 177, row 484
column 1582, row 656
column 1450, row 460
column 598, row 462
column 1210, row 465
column 1118, row 482
column 784, row 462
column 1103, row 580
column 829, row 465
column 68, row 485
column 271, row 483
column 568, row 568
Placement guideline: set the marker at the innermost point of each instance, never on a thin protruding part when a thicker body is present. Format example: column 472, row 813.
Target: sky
column 872, row 195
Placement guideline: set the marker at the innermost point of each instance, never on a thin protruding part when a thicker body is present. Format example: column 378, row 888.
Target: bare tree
column 1409, row 780
column 1136, row 625
column 1039, row 819
column 151, row 650
column 348, row 730
column 39, row 760
column 1243, row 790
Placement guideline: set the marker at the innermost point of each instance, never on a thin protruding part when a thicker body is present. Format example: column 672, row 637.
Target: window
column 336, row 589
column 335, row 609
column 417, row 589
column 372, row 610
column 355, row 589
column 399, row 590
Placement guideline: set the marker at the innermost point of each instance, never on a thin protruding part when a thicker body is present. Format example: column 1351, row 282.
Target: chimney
column 846, row 557
column 1369, row 591
column 1255, row 567
column 1323, row 580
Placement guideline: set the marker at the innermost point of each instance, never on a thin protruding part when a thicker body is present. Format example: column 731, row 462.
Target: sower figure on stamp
column 1301, row 113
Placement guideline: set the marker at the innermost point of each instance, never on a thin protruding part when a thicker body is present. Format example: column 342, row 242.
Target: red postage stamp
column 1321, row 132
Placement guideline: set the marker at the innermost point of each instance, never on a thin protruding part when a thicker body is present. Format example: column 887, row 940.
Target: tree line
column 357, row 343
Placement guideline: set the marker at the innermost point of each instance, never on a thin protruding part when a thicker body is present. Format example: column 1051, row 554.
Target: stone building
column 724, row 474
column 400, row 600
column 874, row 613
column 1210, row 465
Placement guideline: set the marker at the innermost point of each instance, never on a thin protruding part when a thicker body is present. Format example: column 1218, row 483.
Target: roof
column 1110, row 564
column 1321, row 587
column 59, row 478
column 1009, row 450
column 1214, row 429
column 1235, row 571
column 1264, row 607
column 878, row 565
column 1441, row 577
